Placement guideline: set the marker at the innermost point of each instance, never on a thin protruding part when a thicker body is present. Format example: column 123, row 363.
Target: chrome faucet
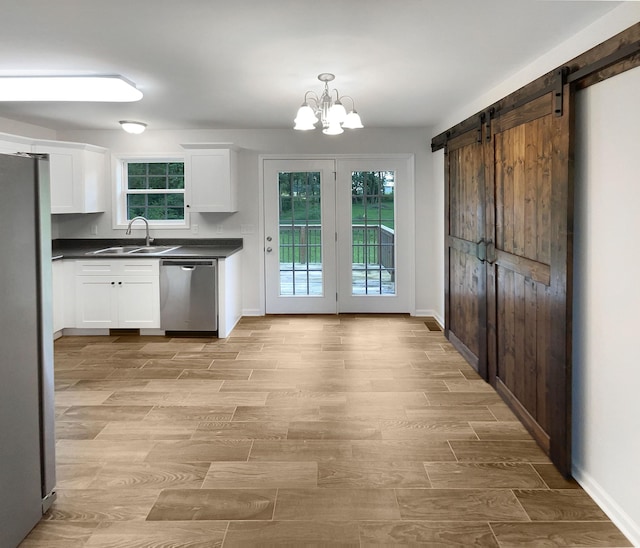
column 148, row 240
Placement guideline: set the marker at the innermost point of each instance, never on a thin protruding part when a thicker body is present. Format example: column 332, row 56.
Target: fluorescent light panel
column 108, row 89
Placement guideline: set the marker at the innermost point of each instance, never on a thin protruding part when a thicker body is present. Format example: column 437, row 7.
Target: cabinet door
column 211, row 178
column 64, row 169
column 96, row 304
column 138, row 302
column 77, row 178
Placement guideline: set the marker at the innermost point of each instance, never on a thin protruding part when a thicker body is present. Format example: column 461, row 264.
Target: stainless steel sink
column 134, row 250
column 149, row 250
column 115, row 250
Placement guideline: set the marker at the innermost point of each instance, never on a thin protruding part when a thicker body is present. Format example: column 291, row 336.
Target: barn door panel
column 528, row 278
column 465, row 304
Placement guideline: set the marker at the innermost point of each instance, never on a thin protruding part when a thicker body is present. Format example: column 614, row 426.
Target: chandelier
column 325, row 109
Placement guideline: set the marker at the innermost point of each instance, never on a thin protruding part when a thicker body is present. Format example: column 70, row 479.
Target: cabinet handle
column 119, row 283
column 113, row 283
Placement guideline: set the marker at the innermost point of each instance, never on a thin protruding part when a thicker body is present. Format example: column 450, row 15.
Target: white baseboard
column 252, row 312
column 609, row 506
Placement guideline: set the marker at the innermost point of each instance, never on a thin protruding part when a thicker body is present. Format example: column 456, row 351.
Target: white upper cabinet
column 77, row 172
column 211, row 179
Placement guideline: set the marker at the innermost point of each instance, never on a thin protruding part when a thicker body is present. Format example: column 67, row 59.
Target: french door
column 300, row 242
column 334, row 241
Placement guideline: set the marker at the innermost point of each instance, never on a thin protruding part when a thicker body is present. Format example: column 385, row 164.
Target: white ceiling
column 247, row 63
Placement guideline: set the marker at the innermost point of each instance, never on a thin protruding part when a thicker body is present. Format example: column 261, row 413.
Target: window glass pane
column 156, row 199
column 176, row 182
column 156, row 213
column 175, row 213
column 137, row 182
column 135, row 212
column 136, row 169
column 176, row 168
column 157, row 169
column 157, row 182
column 136, row 200
column 175, row 200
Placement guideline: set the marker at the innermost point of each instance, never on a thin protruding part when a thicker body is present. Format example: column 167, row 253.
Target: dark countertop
column 215, row 248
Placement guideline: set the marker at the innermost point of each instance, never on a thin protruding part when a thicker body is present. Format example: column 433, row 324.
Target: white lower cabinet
column 117, row 293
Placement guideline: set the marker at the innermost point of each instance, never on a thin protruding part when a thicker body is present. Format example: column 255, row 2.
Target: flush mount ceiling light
column 133, row 127
column 107, row 89
column 325, row 109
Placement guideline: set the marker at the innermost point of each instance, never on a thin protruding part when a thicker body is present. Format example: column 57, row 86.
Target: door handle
column 269, row 250
column 269, row 238
column 481, row 250
column 491, row 252
column 188, row 267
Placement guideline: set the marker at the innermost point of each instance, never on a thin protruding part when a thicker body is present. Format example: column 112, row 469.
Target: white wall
column 254, row 143
column 606, row 373
column 15, row 127
column 615, row 21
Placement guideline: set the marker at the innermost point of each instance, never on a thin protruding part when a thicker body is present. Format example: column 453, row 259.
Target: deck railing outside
column 372, row 245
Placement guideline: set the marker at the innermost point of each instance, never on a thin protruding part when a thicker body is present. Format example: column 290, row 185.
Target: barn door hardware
column 487, row 123
column 481, row 250
column 480, row 126
column 560, row 80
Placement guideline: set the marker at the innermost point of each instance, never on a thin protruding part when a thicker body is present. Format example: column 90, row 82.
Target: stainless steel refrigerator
column 27, row 437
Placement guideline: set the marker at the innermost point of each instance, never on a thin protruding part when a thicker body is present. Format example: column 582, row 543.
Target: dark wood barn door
column 529, row 216
column 508, row 194
column 465, row 278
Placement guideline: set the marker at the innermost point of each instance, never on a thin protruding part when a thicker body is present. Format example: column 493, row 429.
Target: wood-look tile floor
column 298, row 431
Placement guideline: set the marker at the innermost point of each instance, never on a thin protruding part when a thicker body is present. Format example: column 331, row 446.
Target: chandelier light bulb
column 337, row 112
column 306, row 115
column 352, row 121
column 334, row 129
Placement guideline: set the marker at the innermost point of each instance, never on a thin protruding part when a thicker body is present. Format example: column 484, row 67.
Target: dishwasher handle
column 188, row 264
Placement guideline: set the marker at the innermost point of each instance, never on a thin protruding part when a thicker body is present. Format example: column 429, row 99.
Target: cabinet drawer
column 118, row 267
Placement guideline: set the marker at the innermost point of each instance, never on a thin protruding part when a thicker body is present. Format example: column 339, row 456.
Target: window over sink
column 150, row 187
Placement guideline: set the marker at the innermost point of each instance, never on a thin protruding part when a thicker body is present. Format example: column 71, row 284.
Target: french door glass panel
column 372, row 233
column 299, row 198
column 300, row 233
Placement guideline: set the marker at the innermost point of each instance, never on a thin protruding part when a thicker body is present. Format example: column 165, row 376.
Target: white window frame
column 119, row 163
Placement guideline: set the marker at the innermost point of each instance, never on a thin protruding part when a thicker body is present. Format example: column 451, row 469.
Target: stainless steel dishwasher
column 189, row 295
